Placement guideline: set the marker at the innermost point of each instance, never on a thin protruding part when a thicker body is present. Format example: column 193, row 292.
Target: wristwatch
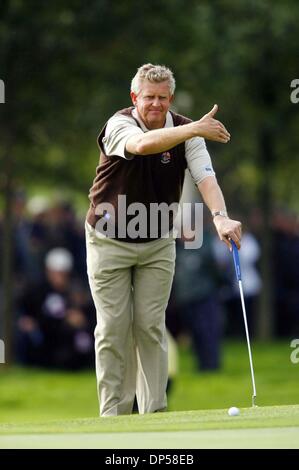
column 222, row 213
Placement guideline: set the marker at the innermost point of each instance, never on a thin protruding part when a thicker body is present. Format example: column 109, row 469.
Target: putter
column 239, row 279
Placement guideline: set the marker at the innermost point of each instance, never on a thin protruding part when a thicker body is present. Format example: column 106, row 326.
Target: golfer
column 144, row 151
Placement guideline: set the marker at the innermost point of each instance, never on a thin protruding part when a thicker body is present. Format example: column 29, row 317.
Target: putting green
column 266, row 438
column 262, row 427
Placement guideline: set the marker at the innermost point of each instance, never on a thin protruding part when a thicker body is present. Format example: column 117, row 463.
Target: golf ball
column 233, row 411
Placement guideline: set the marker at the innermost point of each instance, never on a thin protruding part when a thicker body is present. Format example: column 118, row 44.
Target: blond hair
column 154, row 74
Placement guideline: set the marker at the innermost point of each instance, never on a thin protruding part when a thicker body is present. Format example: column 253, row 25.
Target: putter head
column 253, row 401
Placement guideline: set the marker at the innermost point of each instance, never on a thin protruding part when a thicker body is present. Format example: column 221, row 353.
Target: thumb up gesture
column 210, row 128
column 213, row 111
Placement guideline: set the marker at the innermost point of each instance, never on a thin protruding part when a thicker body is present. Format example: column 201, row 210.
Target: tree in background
column 247, row 64
column 67, row 66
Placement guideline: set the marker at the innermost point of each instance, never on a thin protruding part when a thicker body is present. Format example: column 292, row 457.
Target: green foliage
column 245, row 59
column 67, row 66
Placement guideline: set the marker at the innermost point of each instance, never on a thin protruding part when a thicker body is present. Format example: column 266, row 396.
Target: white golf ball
column 233, row 411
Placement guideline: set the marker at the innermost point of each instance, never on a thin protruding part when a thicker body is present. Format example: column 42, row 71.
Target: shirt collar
column 168, row 122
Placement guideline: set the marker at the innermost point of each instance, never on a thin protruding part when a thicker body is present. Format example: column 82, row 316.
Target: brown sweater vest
column 147, row 179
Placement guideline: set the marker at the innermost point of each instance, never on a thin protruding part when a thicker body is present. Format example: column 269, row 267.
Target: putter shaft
column 248, row 342
column 239, row 279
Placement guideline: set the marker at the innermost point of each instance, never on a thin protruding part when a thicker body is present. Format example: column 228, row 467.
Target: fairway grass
column 261, row 427
column 36, row 395
column 52, row 409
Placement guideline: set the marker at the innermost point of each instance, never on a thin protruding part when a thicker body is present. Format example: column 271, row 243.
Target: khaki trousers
column 130, row 285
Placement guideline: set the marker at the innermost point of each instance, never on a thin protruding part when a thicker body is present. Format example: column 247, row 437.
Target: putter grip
column 236, row 260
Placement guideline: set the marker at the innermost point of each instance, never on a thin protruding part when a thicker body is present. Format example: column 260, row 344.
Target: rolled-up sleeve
column 118, row 131
column 198, row 159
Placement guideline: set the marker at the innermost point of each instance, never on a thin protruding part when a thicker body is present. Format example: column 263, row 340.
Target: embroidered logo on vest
column 166, row 157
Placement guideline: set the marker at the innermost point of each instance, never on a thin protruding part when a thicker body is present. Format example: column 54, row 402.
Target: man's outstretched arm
column 160, row 140
column 213, row 197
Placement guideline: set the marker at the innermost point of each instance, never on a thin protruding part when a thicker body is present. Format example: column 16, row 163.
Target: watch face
column 222, row 213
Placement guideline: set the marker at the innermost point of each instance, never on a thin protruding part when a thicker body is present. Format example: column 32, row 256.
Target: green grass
column 28, row 395
column 266, row 427
column 277, row 379
column 52, row 409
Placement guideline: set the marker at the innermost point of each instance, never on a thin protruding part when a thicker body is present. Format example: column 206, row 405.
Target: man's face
column 152, row 103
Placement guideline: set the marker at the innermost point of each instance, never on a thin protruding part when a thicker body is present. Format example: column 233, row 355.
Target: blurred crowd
column 54, row 317
column 205, row 301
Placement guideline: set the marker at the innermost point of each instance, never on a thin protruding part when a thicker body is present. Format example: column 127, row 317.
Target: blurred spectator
column 251, row 280
column 196, row 283
column 56, row 319
column 36, row 247
column 57, row 225
column 286, row 273
column 21, row 233
column 63, row 230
